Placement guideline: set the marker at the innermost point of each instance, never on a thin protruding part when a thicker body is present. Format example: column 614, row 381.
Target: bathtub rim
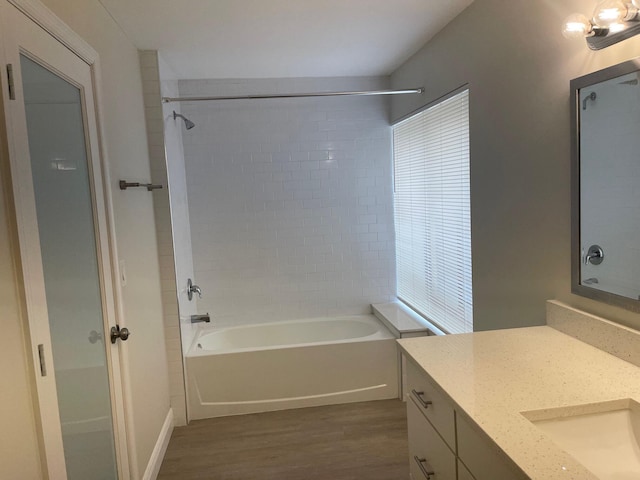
column 382, row 333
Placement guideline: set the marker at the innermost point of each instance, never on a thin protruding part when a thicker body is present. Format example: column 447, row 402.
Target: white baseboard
column 153, row 467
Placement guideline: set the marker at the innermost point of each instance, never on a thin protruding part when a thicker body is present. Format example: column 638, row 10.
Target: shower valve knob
column 192, row 288
column 594, row 256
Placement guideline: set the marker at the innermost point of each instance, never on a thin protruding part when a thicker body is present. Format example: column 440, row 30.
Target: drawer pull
column 423, row 402
column 425, row 468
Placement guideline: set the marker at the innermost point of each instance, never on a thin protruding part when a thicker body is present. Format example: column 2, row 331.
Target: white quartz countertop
column 494, row 376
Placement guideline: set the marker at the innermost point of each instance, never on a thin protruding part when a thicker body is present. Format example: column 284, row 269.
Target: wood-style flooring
column 339, row 442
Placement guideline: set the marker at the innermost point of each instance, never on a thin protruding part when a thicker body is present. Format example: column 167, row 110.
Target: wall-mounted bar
column 149, row 186
column 295, row 95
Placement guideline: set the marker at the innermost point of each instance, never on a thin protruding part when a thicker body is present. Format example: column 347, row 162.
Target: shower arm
column 187, row 123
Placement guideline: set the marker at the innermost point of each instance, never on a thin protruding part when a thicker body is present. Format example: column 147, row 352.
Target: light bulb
column 616, row 27
column 633, row 10
column 577, row 26
column 609, row 12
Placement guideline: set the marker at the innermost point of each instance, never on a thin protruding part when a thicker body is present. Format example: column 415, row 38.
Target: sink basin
column 603, row 437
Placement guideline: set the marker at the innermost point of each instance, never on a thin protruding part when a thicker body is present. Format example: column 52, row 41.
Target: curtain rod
column 294, row 95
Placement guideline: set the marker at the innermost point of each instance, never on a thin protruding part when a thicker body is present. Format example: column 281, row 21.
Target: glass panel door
column 63, row 197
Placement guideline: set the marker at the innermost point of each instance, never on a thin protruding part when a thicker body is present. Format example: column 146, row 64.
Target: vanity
column 483, row 405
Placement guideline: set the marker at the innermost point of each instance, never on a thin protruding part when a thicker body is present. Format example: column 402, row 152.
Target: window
column 432, row 213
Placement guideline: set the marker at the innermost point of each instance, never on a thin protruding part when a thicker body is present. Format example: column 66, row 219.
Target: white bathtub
column 293, row 364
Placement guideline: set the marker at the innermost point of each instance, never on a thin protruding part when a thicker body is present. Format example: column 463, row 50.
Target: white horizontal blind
column 432, row 213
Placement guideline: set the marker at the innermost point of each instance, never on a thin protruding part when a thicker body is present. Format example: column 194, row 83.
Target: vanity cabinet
column 463, row 473
column 428, row 453
column 443, row 444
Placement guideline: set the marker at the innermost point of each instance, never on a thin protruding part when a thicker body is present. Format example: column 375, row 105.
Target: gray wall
column 518, row 67
column 19, row 450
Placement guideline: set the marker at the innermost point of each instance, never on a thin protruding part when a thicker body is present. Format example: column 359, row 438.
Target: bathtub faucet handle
column 192, row 288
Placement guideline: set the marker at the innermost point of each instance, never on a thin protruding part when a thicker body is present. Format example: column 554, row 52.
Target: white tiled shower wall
column 159, row 133
column 175, row 166
column 290, row 200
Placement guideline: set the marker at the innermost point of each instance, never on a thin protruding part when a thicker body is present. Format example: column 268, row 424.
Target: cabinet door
column 463, row 473
column 483, row 457
column 429, row 456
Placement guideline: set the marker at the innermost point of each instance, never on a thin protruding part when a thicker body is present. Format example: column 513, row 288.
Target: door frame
column 117, row 359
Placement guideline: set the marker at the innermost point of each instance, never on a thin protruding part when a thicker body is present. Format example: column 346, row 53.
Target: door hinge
column 12, row 91
column 43, row 365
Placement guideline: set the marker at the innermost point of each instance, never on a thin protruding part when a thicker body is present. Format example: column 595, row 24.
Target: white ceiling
column 282, row 38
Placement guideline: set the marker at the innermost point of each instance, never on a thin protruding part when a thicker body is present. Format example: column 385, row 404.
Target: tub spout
column 200, row 318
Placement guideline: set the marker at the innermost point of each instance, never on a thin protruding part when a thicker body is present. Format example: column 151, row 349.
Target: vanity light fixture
column 612, row 21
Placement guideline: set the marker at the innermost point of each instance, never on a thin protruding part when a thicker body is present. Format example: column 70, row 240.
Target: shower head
column 187, row 123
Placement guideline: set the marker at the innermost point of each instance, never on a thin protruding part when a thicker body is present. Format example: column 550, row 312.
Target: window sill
column 404, row 322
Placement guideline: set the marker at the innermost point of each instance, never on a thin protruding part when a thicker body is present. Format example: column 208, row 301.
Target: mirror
column 605, row 150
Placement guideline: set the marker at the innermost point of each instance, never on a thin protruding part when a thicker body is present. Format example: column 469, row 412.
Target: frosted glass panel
column 68, row 243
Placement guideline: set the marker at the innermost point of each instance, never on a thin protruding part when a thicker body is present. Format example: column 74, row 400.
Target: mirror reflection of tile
column 609, row 178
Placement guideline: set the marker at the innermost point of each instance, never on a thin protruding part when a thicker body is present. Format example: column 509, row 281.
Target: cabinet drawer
column 432, row 403
column 482, row 456
column 427, row 451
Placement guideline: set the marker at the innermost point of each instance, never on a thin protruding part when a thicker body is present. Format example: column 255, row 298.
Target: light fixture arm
column 598, row 42
column 612, row 21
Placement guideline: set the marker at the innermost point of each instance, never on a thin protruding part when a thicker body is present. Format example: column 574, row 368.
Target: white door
column 64, row 251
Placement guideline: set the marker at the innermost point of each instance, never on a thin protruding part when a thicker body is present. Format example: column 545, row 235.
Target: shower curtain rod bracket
column 295, row 95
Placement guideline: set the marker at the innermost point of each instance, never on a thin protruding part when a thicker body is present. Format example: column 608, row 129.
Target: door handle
column 425, row 468
column 119, row 333
column 420, row 397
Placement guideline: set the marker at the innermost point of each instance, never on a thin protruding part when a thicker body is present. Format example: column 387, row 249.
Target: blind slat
column 432, row 213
